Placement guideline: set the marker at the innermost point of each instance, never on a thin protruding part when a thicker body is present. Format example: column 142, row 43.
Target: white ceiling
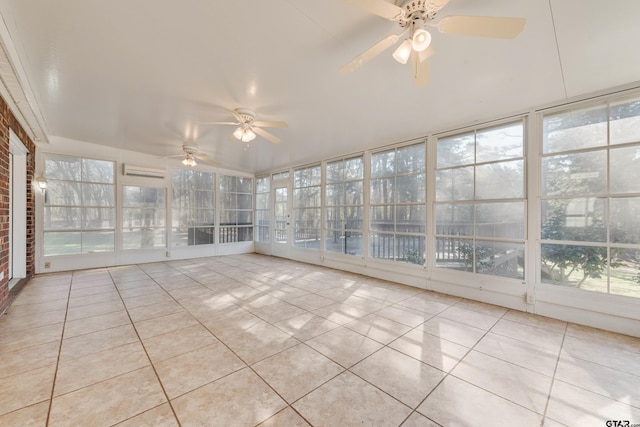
column 142, row 74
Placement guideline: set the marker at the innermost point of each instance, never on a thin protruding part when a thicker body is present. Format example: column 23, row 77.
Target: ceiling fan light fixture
column 421, row 38
column 244, row 134
column 189, row 161
column 403, row 52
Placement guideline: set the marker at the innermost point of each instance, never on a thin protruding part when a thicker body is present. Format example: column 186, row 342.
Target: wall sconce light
column 42, row 183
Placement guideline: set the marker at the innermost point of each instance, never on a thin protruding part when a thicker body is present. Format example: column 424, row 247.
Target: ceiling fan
column 414, row 17
column 191, row 153
column 248, row 126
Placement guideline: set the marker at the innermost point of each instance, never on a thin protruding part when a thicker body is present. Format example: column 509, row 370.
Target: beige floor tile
column 97, row 323
column 236, row 321
column 39, row 307
column 405, row 315
column 378, row 328
column 28, row 358
column 403, row 377
column 430, row 349
column 530, row 334
column 162, row 325
column 153, row 311
column 348, row 401
column 96, row 309
column 29, row 296
column 341, row 313
column 424, row 305
column 160, row 416
column 519, row 385
column 13, row 322
column 306, row 326
column 188, row 371
column 31, row 416
column 144, row 300
column 95, row 367
column 88, row 290
column 78, row 301
column 596, row 378
column 451, row 330
column 255, row 299
column 458, row 403
column 344, row 346
column 418, row 420
column 239, row 399
column 12, row 341
column 95, row 342
column 131, row 290
column 277, row 312
column 296, row 371
column 601, row 353
column 259, row 342
column 108, row 402
column 551, row 325
column 481, row 307
column 613, row 340
column 174, row 343
column 469, row 317
column 27, row 388
column 285, row 418
column 527, row 355
column 575, row 406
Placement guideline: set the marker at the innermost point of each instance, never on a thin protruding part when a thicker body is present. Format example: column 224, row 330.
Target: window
column 306, row 207
column 263, row 215
column 143, row 217
column 480, row 211
column 591, row 198
column 397, row 205
column 193, row 213
column 343, row 196
column 79, row 211
column 236, row 209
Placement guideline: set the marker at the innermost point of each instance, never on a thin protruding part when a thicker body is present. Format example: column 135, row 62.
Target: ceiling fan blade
column 379, row 7
column 219, row 123
column 206, row 159
column 237, row 116
column 174, row 156
column 232, row 138
column 436, row 5
column 266, row 135
column 484, row 26
column 271, row 124
column 420, row 68
column 370, row 53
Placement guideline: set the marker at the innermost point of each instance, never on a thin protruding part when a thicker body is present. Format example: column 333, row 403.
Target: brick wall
column 8, row 121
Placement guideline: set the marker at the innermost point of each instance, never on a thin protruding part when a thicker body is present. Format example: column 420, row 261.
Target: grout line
column 553, row 378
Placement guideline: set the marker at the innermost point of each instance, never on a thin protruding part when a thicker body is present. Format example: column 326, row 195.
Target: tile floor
column 253, row 340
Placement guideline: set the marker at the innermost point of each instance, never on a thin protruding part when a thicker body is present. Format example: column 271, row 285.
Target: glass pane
column 353, row 218
column 61, row 218
column 456, row 150
column 98, row 218
column 262, row 201
column 625, row 163
column 245, row 217
column 62, row 243
column 132, row 196
column 98, row 194
column 625, row 272
column 625, row 226
column 301, row 178
column 153, row 197
column 454, row 184
column 179, row 236
column 500, row 143
column 262, row 185
column 504, row 180
column 410, row 219
column 335, row 171
column 580, row 174
column 454, row 220
column 334, row 195
column 624, row 125
column 59, row 193
column 410, row 249
column 201, row 217
column 244, row 185
column 141, row 238
column 575, row 130
column 579, row 219
column 383, row 164
column 583, row 267
column 500, row 259
column 201, row 235
column 382, row 191
column 382, row 218
column 245, row 201
column 307, row 238
column 346, row 242
column 228, row 200
column 454, row 253
column 281, row 175
column 334, row 218
column 410, row 159
column 97, row 171
column 500, row 220
column 228, row 217
column 62, row 168
column 410, row 188
column 228, row 183
column 98, row 241
column 354, row 168
column 353, row 193
column 281, row 194
column 262, row 234
column 316, row 175
column 381, row 246
column 203, row 199
column 203, row 180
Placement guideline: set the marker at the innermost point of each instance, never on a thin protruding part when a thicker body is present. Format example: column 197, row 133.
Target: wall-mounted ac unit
column 143, row 171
